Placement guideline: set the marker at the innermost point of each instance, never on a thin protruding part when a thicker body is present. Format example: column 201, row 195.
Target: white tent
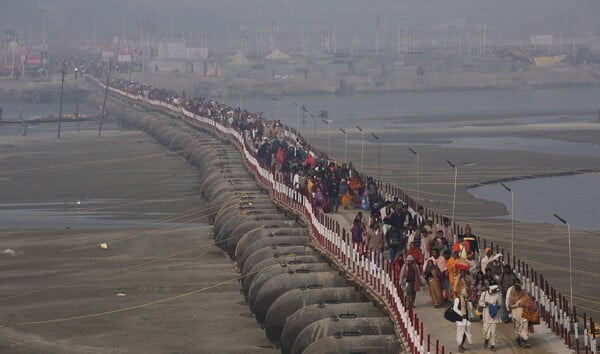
column 277, row 55
column 239, row 59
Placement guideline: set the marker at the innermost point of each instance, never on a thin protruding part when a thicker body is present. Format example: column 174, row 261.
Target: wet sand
column 160, row 287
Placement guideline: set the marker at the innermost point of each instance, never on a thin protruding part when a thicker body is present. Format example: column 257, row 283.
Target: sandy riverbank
column 160, row 287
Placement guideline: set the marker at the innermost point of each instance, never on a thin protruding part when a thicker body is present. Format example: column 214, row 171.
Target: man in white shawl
column 490, row 301
column 518, row 299
column 463, row 331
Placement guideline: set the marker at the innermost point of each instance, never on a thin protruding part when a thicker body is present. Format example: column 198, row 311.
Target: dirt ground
column 161, row 286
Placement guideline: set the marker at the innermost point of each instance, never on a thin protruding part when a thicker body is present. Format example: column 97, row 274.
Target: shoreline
column 547, row 175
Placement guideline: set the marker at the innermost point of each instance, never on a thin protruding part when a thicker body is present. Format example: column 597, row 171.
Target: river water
column 404, row 110
column 522, row 106
column 537, row 199
column 574, row 198
column 12, row 110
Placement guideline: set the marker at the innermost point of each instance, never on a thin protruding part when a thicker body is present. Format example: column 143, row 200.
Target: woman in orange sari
column 433, row 275
column 355, row 183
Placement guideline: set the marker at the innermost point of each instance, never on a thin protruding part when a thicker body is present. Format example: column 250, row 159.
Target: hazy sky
column 68, row 19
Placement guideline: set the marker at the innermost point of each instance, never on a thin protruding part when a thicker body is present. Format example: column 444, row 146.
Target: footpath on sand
column 542, row 340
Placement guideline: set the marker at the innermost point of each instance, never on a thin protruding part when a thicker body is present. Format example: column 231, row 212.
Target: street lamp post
column 418, row 180
column 345, row 144
column 362, row 149
column 512, row 218
column 305, row 110
column 378, row 156
column 570, row 263
column 273, row 99
column 298, row 115
column 328, row 137
column 454, row 196
column 105, row 94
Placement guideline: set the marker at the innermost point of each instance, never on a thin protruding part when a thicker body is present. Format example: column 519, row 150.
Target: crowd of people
column 478, row 285
column 327, row 184
column 423, row 255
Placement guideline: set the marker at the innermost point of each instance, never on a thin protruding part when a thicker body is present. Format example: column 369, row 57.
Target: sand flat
column 160, row 287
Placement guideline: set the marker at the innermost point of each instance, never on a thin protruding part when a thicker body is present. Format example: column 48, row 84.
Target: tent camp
column 239, row 59
column 277, row 55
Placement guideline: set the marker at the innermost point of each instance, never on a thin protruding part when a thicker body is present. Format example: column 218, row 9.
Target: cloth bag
column 493, row 310
column 452, row 316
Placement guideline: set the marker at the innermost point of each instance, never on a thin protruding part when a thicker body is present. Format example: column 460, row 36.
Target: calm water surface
column 522, row 106
column 574, row 198
column 547, row 146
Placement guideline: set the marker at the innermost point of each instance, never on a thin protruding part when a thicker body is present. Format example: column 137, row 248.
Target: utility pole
column 328, row 136
column 242, row 38
column 454, row 195
column 298, row 116
column 485, row 30
column 362, row 149
column 398, row 45
column 7, row 37
column 377, row 38
column 405, row 38
column 77, row 98
column 303, row 42
column 562, row 38
column 570, row 261
column 418, row 177
column 257, row 43
column 345, row 144
column 378, row 155
column 334, row 41
column 105, row 94
column 382, row 44
column 272, row 35
column 44, row 48
column 62, row 86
